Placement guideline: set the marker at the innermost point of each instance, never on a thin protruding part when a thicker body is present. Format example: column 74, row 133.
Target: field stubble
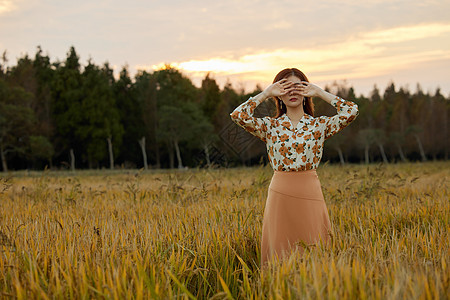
column 196, row 234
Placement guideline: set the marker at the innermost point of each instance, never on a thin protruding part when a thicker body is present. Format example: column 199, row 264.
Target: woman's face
column 292, row 99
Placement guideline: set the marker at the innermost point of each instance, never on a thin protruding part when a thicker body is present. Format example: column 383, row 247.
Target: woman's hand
column 308, row 89
column 280, row 88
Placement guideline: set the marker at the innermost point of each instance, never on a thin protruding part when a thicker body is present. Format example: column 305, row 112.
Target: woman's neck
column 295, row 113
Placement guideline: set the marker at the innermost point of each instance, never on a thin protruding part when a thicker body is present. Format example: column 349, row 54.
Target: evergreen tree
column 50, row 110
column 147, row 116
column 210, row 98
column 66, row 107
column 100, row 120
column 34, row 77
column 130, row 112
column 43, row 98
column 16, row 121
column 173, row 93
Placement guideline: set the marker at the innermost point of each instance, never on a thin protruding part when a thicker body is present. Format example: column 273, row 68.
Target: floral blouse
column 299, row 148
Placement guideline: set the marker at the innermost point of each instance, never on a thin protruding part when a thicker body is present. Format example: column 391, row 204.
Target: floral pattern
column 294, row 148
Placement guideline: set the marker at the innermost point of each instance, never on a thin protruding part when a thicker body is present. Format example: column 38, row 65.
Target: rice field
column 196, row 234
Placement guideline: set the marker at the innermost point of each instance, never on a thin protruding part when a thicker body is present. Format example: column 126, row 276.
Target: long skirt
column 295, row 215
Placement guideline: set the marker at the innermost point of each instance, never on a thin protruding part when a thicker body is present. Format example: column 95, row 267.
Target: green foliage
column 100, row 118
column 210, row 98
column 66, row 102
column 181, row 123
column 138, row 109
column 49, row 108
column 84, row 109
column 16, row 119
column 40, row 147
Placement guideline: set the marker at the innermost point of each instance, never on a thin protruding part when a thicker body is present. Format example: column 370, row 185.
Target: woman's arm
column 347, row 111
column 243, row 114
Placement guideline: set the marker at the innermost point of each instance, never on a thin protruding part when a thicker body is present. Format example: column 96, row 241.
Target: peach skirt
column 295, row 213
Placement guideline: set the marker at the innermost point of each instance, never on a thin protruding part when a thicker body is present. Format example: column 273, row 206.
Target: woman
column 295, row 214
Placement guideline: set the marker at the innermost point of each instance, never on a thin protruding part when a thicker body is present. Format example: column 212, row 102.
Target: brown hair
column 308, row 106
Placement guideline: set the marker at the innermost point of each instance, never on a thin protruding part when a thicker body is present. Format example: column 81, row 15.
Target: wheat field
column 195, row 234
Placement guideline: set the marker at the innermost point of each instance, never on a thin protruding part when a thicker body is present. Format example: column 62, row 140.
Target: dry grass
column 196, row 234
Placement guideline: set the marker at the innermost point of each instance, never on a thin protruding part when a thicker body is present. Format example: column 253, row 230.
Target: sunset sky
column 245, row 42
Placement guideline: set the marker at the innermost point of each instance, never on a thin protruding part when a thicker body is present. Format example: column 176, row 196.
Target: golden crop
column 196, row 234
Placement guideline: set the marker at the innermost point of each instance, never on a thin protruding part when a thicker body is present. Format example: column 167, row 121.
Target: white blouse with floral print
column 299, row 148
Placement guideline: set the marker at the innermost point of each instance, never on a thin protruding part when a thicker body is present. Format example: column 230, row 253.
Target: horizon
column 364, row 44
column 249, row 85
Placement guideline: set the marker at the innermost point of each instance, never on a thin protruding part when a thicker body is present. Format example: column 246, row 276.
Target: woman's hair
column 308, row 107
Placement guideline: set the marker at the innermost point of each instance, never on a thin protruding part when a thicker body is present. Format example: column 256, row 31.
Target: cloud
column 359, row 56
column 6, row 6
column 406, row 33
column 282, row 24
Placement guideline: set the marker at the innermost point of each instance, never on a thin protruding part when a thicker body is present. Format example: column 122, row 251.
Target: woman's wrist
column 326, row 96
column 262, row 96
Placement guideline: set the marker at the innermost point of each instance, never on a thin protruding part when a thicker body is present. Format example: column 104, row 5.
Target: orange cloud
column 6, row 6
column 359, row 56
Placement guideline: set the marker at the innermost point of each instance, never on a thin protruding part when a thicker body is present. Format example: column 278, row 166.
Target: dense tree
column 67, row 89
column 52, row 112
column 210, row 98
column 16, row 121
column 182, row 123
column 180, row 118
column 130, row 111
column 146, row 128
column 42, row 104
column 99, row 125
column 28, row 75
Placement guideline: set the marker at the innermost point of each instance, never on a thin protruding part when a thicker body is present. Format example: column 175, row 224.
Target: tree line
column 62, row 114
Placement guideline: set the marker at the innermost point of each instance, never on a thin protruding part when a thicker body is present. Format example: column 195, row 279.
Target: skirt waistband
column 292, row 173
column 299, row 184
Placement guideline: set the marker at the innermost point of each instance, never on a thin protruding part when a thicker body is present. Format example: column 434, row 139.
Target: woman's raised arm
column 243, row 114
column 347, row 111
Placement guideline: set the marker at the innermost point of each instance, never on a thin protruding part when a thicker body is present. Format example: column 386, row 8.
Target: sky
column 360, row 43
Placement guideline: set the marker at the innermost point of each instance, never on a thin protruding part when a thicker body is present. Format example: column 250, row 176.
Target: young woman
column 295, row 214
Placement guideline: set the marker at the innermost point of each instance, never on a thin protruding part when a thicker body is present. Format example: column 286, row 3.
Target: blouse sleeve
column 347, row 111
column 243, row 116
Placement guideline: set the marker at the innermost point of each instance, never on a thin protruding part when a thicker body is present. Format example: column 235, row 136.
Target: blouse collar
column 286, row 122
